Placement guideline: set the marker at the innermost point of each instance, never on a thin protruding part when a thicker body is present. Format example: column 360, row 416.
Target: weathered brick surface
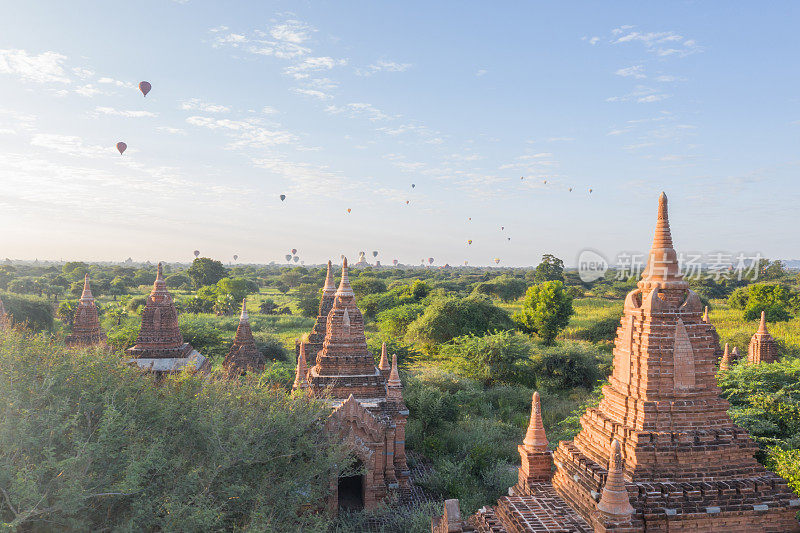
column 316, row 337
column 86, row 328
column 763, row 348
column 243, row 355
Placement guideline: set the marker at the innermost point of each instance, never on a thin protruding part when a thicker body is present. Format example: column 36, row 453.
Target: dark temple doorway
column 351, row 489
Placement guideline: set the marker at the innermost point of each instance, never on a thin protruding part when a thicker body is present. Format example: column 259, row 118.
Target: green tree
column 237, row 288
column 546, row 310
column 550, row 269
column 205, row 271
column 446, row 318
column 364, row 285
column 490, row 359
column 505, row 287
column 268, row 306
column 308, row 297
column 66, row 311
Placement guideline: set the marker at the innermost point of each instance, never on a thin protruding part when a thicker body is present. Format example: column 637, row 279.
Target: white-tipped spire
column 330, row 287
column 344, row 286
column 244, row 317
column 86, row 295
column 301, row 371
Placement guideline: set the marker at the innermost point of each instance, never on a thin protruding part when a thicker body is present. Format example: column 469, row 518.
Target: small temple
column 159, row 347
column 86, row 329
column 367, row 405
column 659, row 453
column 243, row 355
column 763, row 348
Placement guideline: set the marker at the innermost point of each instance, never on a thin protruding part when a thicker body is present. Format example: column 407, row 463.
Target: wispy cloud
column 635, row 71
column 195, row 104
column 383, row 66
column 122, row 113
column 662, row 44
column 359, row 108
column 47, row 67
column 641, row 94
column 245, row 133
column 312, row 92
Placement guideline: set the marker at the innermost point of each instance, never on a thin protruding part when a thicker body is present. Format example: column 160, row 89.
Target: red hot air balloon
column 197, row 253
column 406, row 202
column 121, row 146
column 288, row 257
column 348, row 209
column 395, row 261
column 283, row 197
column 430, row 260
column 294, row 251
column 145, row 87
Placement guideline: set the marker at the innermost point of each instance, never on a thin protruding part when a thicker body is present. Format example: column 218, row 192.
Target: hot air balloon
column 197, row 253
column 522, row 177
column 296, row 259
column 288, row 257
column 375, row 253
column 469, row 241
column 496, row 260
column 430, row 260
column 590, row 191
column 544, row 181
column 395, row 261
column 570, row 189
column 465, row 263
column 294, row 251
column 121, row 146
column 509, row 238
column 348, row 209
column 302, row 262
column 406, row 202
column 145, row 87
column 412, row 185
column 470, row 218
column 235, row 257
column 502, row 228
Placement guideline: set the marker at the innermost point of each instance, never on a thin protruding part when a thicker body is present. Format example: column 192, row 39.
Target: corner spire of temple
column 86, row 328
column 301, row 370
column 330, row 287
column 87, row 291
column 614, row 501
column 535, row 438
column 725, row 362
column 383, row 366
column 344, row 285
column 393, row 384
column 662, row 269
column 244, row 317
column 762, row 348
column 243, row 356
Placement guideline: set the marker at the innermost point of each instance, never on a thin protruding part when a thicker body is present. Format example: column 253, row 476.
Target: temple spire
column 383, row 366
column 87, row 291
column 244, row 317
column 725, row 362
column 662, row 269
column 300, row 376
column 535, row 438
column 344, row 286
column 705, row 316
column 614, row 500
column 330, row 287
column 393, row 385
column 762, row 326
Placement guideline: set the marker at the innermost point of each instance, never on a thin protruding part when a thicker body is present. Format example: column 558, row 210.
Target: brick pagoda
column 763, row 348
column 314, row 340
column 243, row 355
column 368, row 409
column 660, row 437
column 159, row 347
column 86, row 325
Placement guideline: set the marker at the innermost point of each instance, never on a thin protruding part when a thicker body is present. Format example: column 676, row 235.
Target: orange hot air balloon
column 348, row 209
column 590, row 191
column 544, row 181
column 145, row 87
column 283, row 197
column 496, row 260
column 406, row 202
column 469, row 241
column 121, row 146
column 196, row 253
column 294, row 251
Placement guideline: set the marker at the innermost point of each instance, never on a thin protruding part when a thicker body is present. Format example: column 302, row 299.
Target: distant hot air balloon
column 121, row 146
column 544, row 181
column 406, row 202
column 470, row 218
column 235, row 257
column 302, row 262
column 465, row 263
column 522, row 177
column 496, row 260
column 145, row 87
column 294, row 251
column 375, row 253
column 469, row 241
column 283, row 197
column 395, row 261
column 502, row 228
column 430, row 260
column 570, row 189
column 288, row 257
column 590, row 191
column 197, row 253
column 348, row 209
column 412, row 185
column 296, row 259
column 509, row 238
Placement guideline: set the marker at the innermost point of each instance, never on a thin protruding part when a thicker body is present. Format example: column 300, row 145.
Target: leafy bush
column 108, row 450
column 447, row 318
column 545, row 310
column 35, row 312
column 490, row 359
column 395, row 321
column 568, row 365
column 203, row 335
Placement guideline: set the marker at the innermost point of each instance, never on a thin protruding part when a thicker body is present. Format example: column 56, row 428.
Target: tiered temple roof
column 315, row 339
column 763, row 348
column 243, row 355
column 159, row 346
column 86, row 328
column 661, row 436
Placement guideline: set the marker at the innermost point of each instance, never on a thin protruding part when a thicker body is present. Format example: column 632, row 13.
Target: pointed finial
column 705, row 316
column 762, row 327
column 384, row 364
column 725, row 361
column 662, row 206
column 329, row 287
column 393, row 384
column 662, row 263
column 614, row 500
column 344, row 285
column 86, row 295
column 244, row 317
column 535, row 438
column 159, row 272
column 301, row 371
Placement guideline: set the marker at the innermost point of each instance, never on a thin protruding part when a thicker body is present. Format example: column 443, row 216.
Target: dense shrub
column 568, row 365
column 545, row 310
column 395, row 321
column 35, row 313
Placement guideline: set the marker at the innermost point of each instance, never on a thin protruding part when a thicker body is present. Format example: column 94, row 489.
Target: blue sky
column 345, row 104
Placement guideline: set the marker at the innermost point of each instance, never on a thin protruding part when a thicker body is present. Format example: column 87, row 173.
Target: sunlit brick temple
column 659, row 453
column 762, row 348
column 243, row 356
column 86, row 328
column 368, row 409
column 159, row 347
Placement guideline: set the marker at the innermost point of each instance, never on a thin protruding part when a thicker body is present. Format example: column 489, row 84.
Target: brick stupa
column 763, row 348
column 314, row 340
column 367, row 406
column 661, row 435
column 159, row 347
column 86, row 325
column 243, row 355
